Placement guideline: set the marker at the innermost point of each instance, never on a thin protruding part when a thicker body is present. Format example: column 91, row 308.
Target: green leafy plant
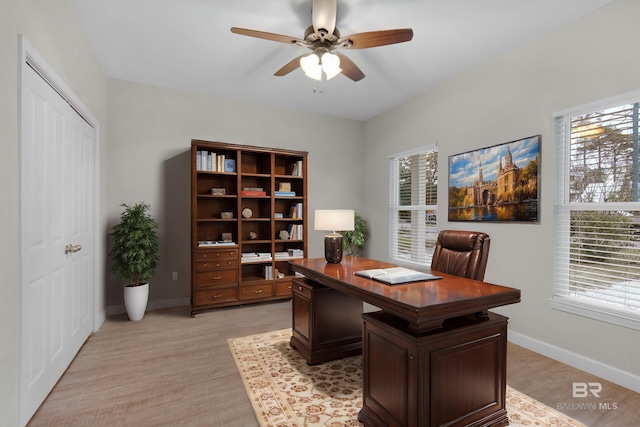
column 354, row 241
column 135, row 251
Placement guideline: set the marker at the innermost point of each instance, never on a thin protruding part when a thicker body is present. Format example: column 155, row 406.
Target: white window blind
column 597, row 215
column 413, row 194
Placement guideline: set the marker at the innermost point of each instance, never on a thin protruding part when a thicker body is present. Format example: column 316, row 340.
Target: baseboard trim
column 152, row 305
column 609, row 373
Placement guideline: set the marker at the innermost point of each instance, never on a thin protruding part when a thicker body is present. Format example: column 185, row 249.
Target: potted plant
column 134, row 255
column 355, row 240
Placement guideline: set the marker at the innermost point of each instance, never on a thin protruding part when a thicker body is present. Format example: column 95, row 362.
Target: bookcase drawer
column 216, row 254
column 215, row 296
column 283, row 288
column 256, row 291
column 216, row 264
column 215, row 278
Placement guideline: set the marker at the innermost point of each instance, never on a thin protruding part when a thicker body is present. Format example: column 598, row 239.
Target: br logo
column 584, row 389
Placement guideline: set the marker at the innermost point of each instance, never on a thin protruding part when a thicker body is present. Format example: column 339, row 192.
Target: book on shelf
column 252, row 193
column 284, row 193
column 296, row 211
column 268, row 273
column 205, row 243
column 396, row 275
column 253, row 188
column 296, row 168
column 206, row 161
column 255, row 256
column 283, row 254
column 295, row 231
column 296, row 252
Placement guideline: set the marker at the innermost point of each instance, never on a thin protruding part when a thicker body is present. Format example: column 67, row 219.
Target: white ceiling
column 188, row 45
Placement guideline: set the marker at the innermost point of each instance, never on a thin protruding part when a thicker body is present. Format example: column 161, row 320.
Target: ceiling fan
column 323, row 38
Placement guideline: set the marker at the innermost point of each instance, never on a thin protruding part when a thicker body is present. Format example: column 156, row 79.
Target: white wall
column 508, row 98
column 51, row 29
column 150, row 131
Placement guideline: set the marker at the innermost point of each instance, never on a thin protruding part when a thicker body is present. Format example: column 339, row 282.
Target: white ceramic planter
column 135, row 300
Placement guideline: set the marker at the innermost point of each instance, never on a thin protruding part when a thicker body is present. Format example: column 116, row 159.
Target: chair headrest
column 462, row 241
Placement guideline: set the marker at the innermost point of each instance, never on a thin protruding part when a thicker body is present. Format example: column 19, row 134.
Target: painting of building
column 503, row 177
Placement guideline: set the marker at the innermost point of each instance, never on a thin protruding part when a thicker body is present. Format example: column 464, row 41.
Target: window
column 597, row 214
column 413, row 191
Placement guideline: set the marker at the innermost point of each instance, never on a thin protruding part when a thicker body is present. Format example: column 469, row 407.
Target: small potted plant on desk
column 354, row 241
column 134, row 256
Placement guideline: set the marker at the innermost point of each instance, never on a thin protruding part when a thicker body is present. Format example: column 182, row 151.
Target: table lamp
column 332, row 220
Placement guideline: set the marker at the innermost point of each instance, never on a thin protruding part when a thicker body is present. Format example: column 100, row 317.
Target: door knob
column 72, row 248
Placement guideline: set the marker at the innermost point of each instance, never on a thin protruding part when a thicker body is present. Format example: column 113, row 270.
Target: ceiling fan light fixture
column 313, row 66
column 330, row 65
column 310, row 64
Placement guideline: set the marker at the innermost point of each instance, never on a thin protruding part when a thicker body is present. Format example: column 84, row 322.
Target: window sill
column 595, row 311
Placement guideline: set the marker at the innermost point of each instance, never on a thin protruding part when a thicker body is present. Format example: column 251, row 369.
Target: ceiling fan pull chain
column 315, row 89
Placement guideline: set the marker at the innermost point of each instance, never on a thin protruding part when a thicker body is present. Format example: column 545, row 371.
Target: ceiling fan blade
column 349, row 68
column 376, row 38
column 266, row 36
column 323, row 15
column 290, row 66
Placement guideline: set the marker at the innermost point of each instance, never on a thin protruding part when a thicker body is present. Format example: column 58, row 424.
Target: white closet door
column 57, row 159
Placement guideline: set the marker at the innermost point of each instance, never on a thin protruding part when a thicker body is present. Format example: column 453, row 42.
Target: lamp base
column 333, row 248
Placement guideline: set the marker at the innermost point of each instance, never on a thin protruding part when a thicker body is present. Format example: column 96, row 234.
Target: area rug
column 286, row 392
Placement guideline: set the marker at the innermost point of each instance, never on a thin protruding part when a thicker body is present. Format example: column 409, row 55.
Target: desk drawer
column 215, row 278
column 256, row 291
column 302, row 288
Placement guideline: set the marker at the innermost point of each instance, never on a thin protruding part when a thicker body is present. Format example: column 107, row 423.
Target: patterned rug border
column 286, row 392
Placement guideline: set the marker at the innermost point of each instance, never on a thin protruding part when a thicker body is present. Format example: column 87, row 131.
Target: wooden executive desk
column 433, row 356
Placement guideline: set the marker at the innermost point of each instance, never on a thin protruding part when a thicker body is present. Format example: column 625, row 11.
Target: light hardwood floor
column 173, row 370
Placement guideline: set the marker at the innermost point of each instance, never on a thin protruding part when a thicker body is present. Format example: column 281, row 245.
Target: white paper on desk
column 396, row 275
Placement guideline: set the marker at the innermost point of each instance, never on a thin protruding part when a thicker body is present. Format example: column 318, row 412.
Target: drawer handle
column 259, row 291
column 217, row 277
column 217, row 265
column 289, row 287
column 300, row 288
column 217, row 296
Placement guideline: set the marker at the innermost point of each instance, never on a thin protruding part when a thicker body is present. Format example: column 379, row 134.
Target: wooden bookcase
column 239, row 254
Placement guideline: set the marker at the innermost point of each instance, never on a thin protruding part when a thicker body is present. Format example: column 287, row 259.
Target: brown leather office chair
column 461, row 253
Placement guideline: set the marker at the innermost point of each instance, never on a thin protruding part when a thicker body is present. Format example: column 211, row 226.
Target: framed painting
column 496, row 184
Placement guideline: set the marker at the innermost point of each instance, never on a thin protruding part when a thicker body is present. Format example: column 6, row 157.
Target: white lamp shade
column 334, row 219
